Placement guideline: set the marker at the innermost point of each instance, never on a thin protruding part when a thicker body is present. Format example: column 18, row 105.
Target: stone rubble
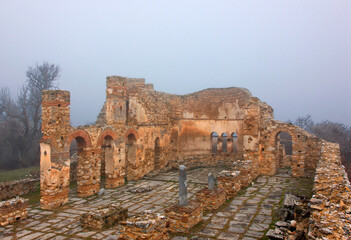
column 104, row 217
column 13, row 210
column 146, row 226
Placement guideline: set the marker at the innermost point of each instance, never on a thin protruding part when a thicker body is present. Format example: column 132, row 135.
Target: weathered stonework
column 17, row 188
column 145, row 226
column 183, row 218
column 331, row 202
column 104, row 217
column 211, row 199
column 140, row 130
column 13, row 210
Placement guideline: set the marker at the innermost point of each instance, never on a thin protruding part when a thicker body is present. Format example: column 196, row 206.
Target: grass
column 16, row 174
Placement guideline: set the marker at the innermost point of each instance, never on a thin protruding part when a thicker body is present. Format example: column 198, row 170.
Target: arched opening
column 235, row 143
column 157, row 153
column 77, row 154
column 106, row 159
column 284, row 146
column 214, row 142
column 131, row 155
column 224, row 142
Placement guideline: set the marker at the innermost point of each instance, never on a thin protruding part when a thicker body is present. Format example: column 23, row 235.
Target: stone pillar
column 88, row 174
column 54, row 155
column 211, row 182
column 185, row 215
column 183, row 189
column 211, row 197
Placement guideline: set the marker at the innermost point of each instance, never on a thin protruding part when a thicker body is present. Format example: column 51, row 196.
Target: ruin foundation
column 104, row 217
column 211, row 199
column 183, row 218
column 13, row 210
column 145, row 226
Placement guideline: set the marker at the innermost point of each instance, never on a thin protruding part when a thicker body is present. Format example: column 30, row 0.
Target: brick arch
column 106, row 132
column 79, row 133
column 274, row 133
column 131, row 131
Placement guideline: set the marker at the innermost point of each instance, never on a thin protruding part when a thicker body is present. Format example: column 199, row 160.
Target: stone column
column 183, row 191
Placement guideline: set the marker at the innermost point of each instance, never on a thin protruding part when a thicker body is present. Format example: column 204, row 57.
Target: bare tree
column 305, row 123
column 23, row 116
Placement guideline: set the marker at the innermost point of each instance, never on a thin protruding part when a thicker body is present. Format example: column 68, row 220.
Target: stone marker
column 183, row 190
column 211, row 182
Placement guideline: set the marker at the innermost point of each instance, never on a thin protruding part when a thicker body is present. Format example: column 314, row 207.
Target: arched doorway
column 235, row 143
column 214, row 142
column 224, row 142
column 77, row 154
column 157, row 152
column 131, row 156
column 284, row 146
column 107, row 149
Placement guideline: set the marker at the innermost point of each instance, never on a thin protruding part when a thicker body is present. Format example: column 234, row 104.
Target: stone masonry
column 141, row 132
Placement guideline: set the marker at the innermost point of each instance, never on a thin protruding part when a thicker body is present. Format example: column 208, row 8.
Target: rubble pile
column 145, row 226
column 104, row 217
column 294, row 219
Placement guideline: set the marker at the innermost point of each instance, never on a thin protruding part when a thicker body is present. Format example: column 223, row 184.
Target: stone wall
column 13, row 210
column 18, row 188
column 331, row 202
column 140, row 130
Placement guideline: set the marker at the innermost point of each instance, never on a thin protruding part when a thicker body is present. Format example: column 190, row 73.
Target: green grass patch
column 16, row 174
column 33, row 197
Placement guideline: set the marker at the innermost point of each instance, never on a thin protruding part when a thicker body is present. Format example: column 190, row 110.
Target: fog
column 294, row 55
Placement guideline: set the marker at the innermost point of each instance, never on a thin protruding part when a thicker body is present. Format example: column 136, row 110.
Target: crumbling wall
column 140, row 130
column 331, row 202
column 17, row 188
column 305, row 148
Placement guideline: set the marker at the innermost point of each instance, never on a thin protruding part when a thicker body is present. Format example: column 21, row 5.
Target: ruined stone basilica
column 140, row 130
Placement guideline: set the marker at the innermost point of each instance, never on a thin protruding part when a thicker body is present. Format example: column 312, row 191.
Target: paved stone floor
column 247, row 216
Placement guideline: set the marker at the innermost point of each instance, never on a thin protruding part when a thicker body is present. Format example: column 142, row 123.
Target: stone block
column 183, row 218
column 145, row 226
column 104, row 217
column 211, row 199
column 13, row 210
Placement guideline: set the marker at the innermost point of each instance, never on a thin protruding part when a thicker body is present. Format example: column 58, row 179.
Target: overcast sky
column 295, row 55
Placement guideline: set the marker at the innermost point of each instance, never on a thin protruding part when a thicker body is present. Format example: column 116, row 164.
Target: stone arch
column 297, row 159
column 274, row 134
column 107, row 132
column 131, row 131
column 214, row 142
column 79, row 133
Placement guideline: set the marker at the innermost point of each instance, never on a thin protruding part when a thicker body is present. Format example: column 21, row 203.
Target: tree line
column 20, row 118
column 331, row 132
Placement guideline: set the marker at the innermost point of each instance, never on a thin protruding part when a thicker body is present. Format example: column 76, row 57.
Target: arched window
column 224, row 142
column 214, row 141
column 235, row 142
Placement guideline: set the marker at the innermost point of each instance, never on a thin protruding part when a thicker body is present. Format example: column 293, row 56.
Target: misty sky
column 295, row 55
